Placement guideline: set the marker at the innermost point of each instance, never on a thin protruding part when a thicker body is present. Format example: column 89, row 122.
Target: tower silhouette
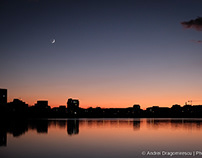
column 3, row 96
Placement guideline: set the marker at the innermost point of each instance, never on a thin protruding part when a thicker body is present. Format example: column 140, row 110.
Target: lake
column 101, row 138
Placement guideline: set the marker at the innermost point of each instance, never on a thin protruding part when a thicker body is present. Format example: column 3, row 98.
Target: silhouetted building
column 153, row 109
column 3, row 96
column 41, row 109
column 42, row 104
column 136, row 107
column 157, row 111
column 17, row 106
column 176, row 107
column 187, row 109
column 137, row 112
column 176, row 111
column 73, row 106
column 62, row 107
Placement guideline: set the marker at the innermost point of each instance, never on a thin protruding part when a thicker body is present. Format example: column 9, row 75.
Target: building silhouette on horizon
column 42, row 104
column 3, row 96
column 19, row 109
column 73, row 106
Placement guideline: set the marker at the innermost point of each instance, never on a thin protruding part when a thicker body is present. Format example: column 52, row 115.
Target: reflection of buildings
column 42, row 126
column 17, row 127
column 136, row 124
column 3, row 138
column 184, row 123
column 72, row 127
column 3, row 96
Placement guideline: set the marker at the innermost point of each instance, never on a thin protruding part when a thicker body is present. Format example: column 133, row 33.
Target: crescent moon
column 53, row 41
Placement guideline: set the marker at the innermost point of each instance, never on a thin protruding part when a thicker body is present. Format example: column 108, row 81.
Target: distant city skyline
column 109, row 53
column 73, row 103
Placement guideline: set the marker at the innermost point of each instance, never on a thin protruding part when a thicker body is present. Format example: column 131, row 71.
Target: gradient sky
column 108, row 53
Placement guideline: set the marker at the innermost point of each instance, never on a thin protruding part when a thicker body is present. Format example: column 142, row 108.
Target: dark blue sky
column 107, row 53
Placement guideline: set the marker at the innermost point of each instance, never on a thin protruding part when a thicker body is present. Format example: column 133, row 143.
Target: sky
column 107, row 53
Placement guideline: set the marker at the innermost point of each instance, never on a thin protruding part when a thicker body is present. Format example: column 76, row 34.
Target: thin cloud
column 195, row 24
column 197, row 41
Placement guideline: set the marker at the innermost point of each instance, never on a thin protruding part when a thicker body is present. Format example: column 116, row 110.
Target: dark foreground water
column 101, row 138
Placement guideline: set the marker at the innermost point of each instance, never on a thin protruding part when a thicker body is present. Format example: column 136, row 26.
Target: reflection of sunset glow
column 114, row 136
column 143, row 124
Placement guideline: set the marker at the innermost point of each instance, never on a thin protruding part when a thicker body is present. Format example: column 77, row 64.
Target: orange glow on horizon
column 121, row 97
column 163, row 102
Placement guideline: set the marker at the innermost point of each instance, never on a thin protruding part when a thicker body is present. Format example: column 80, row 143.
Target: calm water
column 98, row 138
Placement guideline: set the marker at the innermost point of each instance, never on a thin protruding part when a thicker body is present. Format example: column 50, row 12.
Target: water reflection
column 72, row 127
column 3, row 138
column 41, row 126
column 194, row 124
column 20, row 127
column 136, row 124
